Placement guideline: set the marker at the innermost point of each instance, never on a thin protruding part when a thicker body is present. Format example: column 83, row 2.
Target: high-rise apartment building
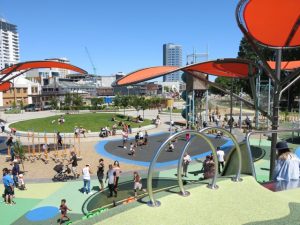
column 9, row 44
column 172, row 56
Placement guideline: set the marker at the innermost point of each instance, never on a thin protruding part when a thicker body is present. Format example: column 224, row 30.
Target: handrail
column 179, row 167
column 238, row 149
column 152, row 201
column 262, row 132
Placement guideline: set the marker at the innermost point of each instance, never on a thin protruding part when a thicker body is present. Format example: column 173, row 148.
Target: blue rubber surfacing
column 42, row 213
column 100, row 149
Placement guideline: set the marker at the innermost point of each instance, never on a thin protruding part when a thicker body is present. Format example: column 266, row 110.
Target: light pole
column 190, row 109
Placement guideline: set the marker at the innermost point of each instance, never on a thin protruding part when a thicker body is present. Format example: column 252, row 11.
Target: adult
column 74, row 163
column 209, row 167
column 59, row 139
column 141, row 135
column 15, row 172
column 10, row 147
column 118, row 171
column 287, row 164
column 185, row 163
column 221, row 160
column 76, row 131
column 2, row 125
column 86, row 175
column 125, row 138
column 8, row 187
column 111, row 178
column 100, row 173
column 146, row 138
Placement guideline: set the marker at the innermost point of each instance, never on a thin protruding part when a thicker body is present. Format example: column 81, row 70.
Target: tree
column 155, row 102
column 96, row 102
column 117, row 101
column 22, row 104
column 77, row 100
column 135, row 102
column 246, row 52
column 124, row 101
column 19, row 151
column 68, row 99
column 145, row 104
column 54, row 102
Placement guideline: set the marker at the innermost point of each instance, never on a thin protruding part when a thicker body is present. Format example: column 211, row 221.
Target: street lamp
column 190, row 109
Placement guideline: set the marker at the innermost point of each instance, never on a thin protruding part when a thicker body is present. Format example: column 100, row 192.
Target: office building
column 9, row 44
column 172, row 56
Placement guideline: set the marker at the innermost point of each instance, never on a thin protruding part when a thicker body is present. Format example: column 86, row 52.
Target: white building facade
column 9, row 44
column 172, row 56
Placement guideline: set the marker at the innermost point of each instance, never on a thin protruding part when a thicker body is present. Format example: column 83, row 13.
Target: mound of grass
column 89, row 121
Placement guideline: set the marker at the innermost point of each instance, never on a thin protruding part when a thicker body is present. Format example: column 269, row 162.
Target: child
column 171, row 147
column 137, row 183
column 132, row 150
column 63, row 209
column 21, row 182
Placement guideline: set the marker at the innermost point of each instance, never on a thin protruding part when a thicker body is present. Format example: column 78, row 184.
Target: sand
column 39, row 170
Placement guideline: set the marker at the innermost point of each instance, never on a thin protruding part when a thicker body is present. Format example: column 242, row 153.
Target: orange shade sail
column 40, row 64
column 146, row 74
column 235, row 68
column 275, row 23
column 288, row 65
column 5, row 86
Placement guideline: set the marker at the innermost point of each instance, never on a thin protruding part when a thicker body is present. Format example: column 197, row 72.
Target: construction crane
column 91, row 61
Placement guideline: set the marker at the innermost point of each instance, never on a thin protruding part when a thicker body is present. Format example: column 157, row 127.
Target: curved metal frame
column 213, row 185
column 262, row 132
column 238, row 174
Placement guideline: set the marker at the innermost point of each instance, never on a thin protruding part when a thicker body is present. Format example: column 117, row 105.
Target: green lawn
column 89, row 121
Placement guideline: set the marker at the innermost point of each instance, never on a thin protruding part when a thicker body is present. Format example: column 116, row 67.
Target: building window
column 24, row 90
column 18, row 90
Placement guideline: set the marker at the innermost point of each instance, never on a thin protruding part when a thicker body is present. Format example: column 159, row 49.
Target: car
column 47, row 107
column 30, row 108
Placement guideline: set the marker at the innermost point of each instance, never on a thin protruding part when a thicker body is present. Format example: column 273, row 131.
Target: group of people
column 78, row 131
column 209, row 165
column 12, row 178
column 112, row 177
column 141, row 139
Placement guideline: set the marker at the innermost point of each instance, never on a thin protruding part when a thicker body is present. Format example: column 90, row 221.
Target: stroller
column 62, row 172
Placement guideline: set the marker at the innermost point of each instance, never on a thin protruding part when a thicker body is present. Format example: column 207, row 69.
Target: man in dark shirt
column 74, row 163
column 16, row 172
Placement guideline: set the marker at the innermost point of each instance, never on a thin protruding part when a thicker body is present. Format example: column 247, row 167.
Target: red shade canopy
column 5, row 86
column 235, row 68
column 146, row 74
column 40, row 64
column 275, row 23
column 288, row 65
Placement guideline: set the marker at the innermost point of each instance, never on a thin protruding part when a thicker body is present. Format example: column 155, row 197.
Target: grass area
column 173, row 111
column 13, row 111
column 89, row 121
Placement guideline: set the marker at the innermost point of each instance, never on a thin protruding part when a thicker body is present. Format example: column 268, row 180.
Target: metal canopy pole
column 275, row 119
column 241, row 109
column 231, row 120
column 269, row 103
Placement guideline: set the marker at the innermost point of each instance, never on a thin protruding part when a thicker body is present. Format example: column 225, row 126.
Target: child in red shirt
column 63, row 209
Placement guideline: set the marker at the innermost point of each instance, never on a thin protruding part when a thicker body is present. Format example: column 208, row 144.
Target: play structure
column 41, row 147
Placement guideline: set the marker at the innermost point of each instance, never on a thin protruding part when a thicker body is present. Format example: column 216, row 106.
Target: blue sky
column 122, row 35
